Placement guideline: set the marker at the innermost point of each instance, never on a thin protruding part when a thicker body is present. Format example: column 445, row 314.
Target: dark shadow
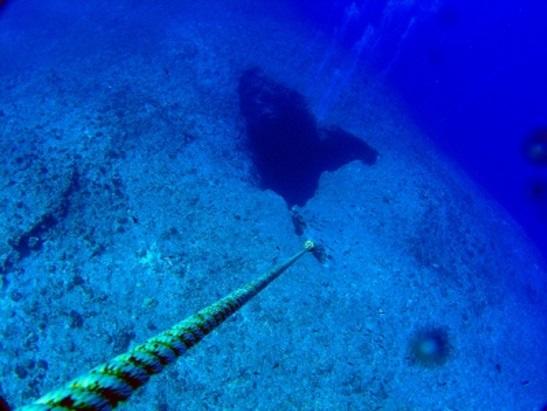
column 2, row 6
column 4, row 405
column 289, row 149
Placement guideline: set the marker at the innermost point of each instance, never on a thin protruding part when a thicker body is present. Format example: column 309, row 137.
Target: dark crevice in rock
column 33, row 238
column 289, row 149
column 298, row 222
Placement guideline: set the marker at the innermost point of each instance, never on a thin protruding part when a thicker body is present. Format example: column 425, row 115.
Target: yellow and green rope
column 106, row 386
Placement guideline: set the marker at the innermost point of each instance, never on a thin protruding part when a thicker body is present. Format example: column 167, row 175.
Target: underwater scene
column 273, row 205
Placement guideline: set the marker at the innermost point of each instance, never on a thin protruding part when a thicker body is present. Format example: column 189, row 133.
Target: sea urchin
column 429, row 346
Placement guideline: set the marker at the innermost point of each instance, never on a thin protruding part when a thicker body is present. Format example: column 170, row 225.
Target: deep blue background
column 474, row 76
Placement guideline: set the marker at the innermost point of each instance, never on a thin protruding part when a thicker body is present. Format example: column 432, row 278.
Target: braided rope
column 109, row 384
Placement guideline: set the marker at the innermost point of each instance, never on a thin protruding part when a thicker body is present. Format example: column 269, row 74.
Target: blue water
column 473, row 76
column 157, row 156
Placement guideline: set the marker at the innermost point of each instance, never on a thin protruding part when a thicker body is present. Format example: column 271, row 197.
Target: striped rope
column 109, row 384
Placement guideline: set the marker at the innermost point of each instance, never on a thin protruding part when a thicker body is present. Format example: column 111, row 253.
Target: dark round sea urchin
column 429, row 346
